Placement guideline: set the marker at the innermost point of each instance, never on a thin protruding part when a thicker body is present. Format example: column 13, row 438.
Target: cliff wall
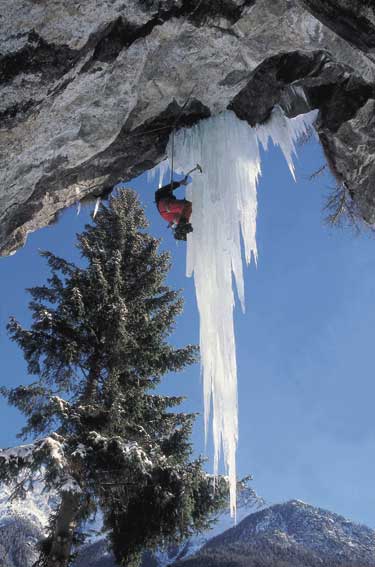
column 90, row 91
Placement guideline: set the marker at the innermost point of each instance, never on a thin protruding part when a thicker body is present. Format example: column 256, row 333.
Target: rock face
column 90, row 91
column 352, row 19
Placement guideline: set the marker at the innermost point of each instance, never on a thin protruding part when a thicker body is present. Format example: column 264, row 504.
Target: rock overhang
column 85, row 106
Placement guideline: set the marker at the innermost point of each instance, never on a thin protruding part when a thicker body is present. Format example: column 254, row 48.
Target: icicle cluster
column 224, row 207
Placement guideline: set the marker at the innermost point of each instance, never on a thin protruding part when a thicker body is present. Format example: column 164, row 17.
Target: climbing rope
column 173, row 132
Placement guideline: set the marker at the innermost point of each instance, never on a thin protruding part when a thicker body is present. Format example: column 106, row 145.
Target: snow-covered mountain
column 22, row 525
column 293, row 534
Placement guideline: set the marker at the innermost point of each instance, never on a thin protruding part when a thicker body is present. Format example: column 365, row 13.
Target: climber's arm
column 167, row 191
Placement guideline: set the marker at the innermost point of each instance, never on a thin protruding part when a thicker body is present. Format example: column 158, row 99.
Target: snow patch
column 37, row 504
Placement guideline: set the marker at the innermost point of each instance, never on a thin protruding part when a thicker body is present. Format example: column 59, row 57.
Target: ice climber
column 176, row 212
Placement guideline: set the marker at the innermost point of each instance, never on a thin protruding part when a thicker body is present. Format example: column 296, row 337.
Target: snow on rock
column 224, row 201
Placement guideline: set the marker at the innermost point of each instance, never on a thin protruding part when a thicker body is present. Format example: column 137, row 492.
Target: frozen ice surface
column 284, row 132
column 162, row 169
column 224, row 201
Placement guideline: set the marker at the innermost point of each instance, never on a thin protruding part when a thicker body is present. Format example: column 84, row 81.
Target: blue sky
column 304, row 346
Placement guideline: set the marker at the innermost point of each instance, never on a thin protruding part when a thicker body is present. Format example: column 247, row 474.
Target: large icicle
column 224, row 206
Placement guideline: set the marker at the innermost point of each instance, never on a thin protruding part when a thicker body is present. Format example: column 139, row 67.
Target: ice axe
column 196, row 168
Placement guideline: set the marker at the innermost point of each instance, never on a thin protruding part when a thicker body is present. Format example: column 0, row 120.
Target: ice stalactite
column 162, row 169
column 224, row 208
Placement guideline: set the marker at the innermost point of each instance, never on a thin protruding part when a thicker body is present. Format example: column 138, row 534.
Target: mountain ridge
column 289, row 534
column 293, row 533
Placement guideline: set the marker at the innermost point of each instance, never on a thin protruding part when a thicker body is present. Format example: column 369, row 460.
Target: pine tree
column 104, row 438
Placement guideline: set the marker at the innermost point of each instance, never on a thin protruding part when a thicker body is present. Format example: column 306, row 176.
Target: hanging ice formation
column 224, row 207
column 162, row 169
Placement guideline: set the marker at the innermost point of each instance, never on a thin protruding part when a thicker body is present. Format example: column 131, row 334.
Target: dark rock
column 267, row 84
column 354, row 20
column 37, row 55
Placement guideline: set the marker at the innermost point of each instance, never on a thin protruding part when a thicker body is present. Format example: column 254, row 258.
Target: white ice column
column 224, row 207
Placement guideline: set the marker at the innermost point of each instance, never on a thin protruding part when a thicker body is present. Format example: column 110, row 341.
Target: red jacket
column 173, row 210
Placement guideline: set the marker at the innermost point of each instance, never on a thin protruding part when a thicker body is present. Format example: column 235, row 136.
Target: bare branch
column 317, row 173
